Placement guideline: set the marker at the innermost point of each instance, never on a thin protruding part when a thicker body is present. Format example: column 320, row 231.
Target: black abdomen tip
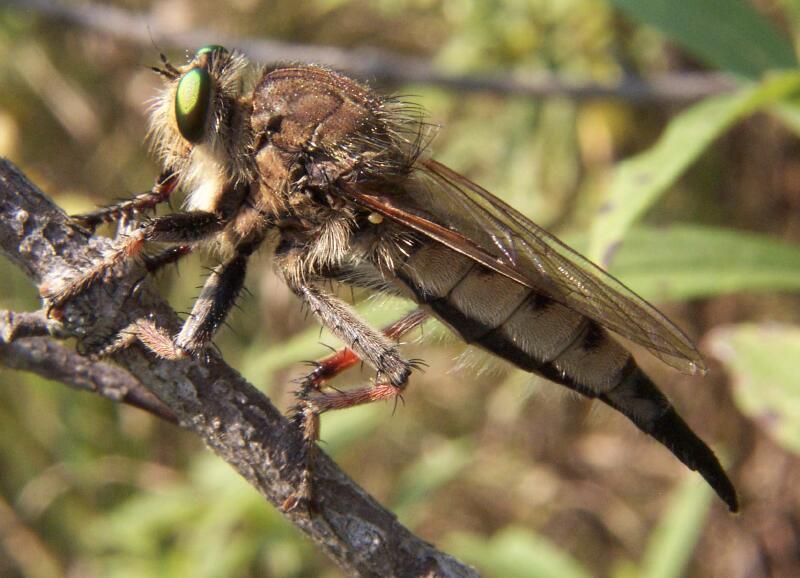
column 673, row 432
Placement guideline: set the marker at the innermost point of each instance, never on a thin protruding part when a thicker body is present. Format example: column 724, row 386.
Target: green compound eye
column 211, row 49
column 192, row 100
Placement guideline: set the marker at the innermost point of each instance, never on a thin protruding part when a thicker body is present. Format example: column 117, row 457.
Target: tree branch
column 25, row 345
column 380, row 65
column 208, row 398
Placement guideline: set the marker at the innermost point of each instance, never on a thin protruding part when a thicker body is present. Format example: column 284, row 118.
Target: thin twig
column 379, row 65
column 209, row 398
column 25, row 345
column 17, row 325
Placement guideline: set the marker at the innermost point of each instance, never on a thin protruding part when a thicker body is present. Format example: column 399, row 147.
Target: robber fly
column 336, row 180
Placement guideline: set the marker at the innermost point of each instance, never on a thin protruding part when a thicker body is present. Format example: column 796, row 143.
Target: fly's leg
column 160, row 193
column 307, row 419
column 344, row 359
column 146, row 332
column 218, row 296
column 369, row 345
column 210, row 309
column 183, row 228
column 154, row 263
column 366, row 343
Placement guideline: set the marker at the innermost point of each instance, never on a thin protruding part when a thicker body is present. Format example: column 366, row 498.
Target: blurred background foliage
column 697, row 207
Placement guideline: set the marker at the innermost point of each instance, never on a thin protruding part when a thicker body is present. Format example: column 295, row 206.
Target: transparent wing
column 447, row 207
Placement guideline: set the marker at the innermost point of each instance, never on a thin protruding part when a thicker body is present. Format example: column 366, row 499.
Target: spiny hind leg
column 344, row 359
column 183, row 228
column 307, row 417
column 367, row 344
column 216, row 299
column 160, row 193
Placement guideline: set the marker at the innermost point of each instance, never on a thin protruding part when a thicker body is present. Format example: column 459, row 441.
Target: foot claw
column 291, row 503
column 298, row 500
column 54, row 304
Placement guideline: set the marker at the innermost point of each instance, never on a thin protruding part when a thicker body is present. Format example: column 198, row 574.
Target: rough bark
column 206, row 397
column 25, row 345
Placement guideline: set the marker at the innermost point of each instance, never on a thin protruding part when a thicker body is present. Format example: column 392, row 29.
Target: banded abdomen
column 539, row 335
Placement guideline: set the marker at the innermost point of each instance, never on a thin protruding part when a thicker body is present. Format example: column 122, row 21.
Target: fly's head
column 199, row 123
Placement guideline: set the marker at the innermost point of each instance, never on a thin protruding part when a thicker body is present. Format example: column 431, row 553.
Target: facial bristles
column 224, row 135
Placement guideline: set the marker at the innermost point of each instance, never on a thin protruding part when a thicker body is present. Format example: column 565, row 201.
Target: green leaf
column 515, row 552
column 792, row 11
column 687, row 262
column 640, row 181
column 674, row 539
column 789, row 114
column 727, row 34
column 762, row 363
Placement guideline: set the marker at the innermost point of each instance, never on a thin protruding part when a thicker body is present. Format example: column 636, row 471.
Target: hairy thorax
column 314, row 127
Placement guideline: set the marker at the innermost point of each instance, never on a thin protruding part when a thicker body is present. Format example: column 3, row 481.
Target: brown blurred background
column 505, row 471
